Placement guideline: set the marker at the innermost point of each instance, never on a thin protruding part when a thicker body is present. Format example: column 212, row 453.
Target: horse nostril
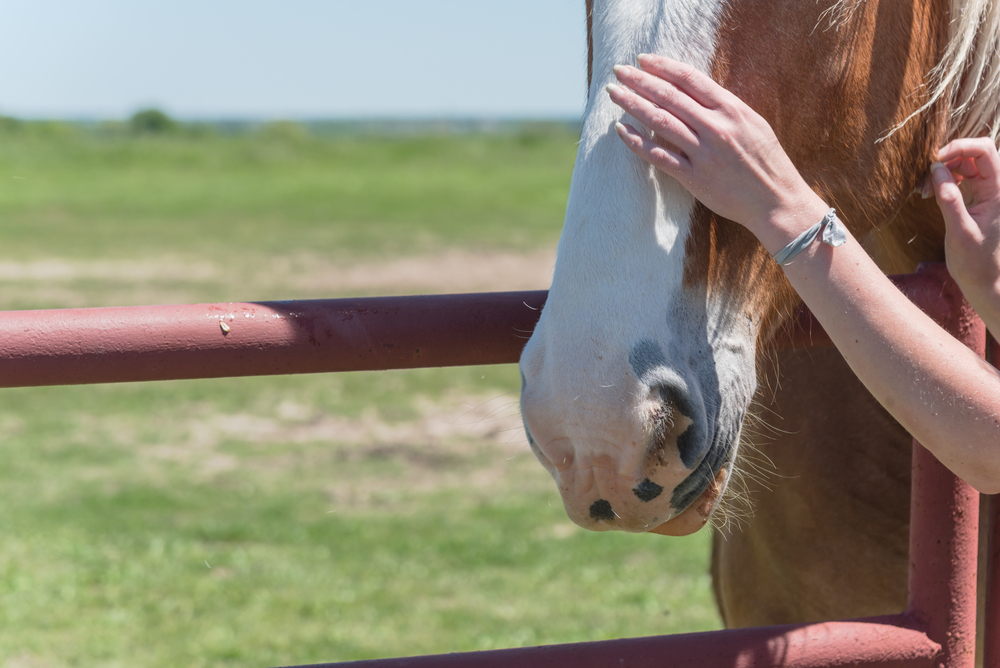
column 679, row 418
column 647, row 490
column 601, row 510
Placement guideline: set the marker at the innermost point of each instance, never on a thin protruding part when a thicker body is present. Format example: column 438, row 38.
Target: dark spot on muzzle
column 601, row 510
column 696, row 483
column 646, row 356
column 720, row 454
column 647, row 490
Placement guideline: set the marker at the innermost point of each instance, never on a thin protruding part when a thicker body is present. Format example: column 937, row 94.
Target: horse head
column 640, row 373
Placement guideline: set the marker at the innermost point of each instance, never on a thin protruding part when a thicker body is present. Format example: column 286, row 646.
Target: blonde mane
column 967, row 79
column 968, row 76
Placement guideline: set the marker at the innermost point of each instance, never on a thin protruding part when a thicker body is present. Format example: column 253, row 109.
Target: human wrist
column 789, row 218
column 983, row 294
column 975, row 266
column 987, row 306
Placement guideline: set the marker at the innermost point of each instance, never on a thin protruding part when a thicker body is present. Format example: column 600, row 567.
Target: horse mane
column 967, row 79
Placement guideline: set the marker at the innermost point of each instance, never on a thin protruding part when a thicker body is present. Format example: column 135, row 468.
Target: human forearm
column 986, row 302
column 933, row 385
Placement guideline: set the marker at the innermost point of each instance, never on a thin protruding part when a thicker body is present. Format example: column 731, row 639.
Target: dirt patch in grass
column 59, row 270
column 61, row 283
column 453, row 443
column 451, row 271
column 485, row 419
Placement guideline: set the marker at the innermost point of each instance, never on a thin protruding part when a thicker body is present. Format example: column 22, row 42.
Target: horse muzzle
column 599, row 497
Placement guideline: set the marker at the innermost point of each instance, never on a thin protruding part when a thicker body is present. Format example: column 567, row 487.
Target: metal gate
column 103, row 345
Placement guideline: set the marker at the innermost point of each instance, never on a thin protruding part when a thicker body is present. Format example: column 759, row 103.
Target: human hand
column 967, row 185
column 715, row 145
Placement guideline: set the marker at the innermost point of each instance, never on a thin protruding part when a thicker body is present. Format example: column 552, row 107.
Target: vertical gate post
column 991, row 612
column 944, row 525
column 944, row 528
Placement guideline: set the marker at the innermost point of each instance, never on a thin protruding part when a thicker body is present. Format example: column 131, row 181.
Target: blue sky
column 294, row 58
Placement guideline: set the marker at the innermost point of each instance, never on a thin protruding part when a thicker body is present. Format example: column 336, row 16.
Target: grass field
column 289, row 520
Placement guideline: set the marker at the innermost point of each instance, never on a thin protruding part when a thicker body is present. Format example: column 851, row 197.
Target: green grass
column 289, row 520
column 84, row 195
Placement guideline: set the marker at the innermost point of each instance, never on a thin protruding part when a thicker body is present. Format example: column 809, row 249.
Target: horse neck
column 833, row 86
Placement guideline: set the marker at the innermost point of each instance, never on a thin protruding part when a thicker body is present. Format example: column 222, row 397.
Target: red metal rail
column 876, row 642
column 108, row 345
column 991, row 583
column 214, row 340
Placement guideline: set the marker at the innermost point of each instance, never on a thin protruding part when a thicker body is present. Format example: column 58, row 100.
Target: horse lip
column 696, row 515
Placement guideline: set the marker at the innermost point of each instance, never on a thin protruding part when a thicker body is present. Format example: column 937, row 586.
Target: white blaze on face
column 634, row 385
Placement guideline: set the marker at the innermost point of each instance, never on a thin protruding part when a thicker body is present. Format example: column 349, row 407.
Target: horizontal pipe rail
column 144, row 343
column 139, row 343
column 883, row 641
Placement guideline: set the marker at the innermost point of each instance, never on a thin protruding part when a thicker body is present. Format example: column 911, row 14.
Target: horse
column 651, row 385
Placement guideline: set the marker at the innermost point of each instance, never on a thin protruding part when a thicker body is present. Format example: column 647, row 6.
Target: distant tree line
column 154, row 122
column 151, row 122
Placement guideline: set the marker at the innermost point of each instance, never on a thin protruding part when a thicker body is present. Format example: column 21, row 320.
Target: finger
column 953, row 165
column 669, row 161
column 982, row 150
column 663, row 123
column 965, row 167
column 695, row 83
column 961, row 168
column 951, row 202
column 662, row 93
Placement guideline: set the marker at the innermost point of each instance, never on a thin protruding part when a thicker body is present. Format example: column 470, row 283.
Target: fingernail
column 927, row 191
column 939, row 173
column 616, row 69
column 611, row 88
column 641, row 57
column 620, row 127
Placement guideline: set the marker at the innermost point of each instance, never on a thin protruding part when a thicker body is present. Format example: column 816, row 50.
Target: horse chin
column 697, row 515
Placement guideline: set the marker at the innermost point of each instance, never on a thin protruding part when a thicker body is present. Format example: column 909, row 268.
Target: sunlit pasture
column 292, row 520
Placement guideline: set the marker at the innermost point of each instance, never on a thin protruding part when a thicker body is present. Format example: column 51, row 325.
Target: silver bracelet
column 834, row 234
